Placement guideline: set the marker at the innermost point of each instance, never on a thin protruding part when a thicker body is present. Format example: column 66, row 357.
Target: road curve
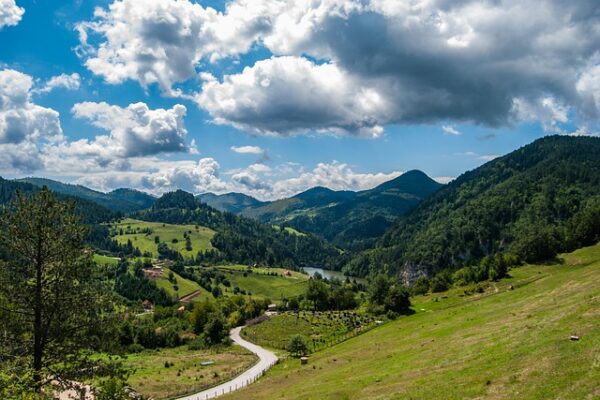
column 267, row 360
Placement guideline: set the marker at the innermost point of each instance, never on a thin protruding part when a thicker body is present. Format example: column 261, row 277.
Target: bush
column 298, row 346
column 421, row 286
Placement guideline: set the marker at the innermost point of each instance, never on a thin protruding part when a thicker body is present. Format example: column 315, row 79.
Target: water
column 329, row 274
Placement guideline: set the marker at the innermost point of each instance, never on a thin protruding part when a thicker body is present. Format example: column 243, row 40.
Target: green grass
column 264, row 286
column 500, row 344
column 290, row 230
column 105, row 260
column 185, row 286
column 320, row 329
column 200, row 237
column 152, row 379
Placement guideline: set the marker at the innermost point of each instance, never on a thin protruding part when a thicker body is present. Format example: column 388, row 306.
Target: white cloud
column 163, row 41
column 410, row 62
column 247, row 149
column 24, row 125
column 65, row 81
column 444, row 179
column 10, row 13
column 135, row 130
column 288, row 95
column 487, row 157
column 548, row 111
column 450, row 130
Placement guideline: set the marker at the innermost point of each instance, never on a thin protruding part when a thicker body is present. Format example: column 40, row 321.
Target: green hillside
column 89, row 211
column 512, row 341
column 230, row 202
column 348, row 219
column 241, row 240
column 266, row 283
column 534, row 202
column 143, row 235
column 184, row 286
column 120, row 200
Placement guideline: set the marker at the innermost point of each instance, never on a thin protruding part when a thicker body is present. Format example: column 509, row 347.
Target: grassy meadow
column 185, row 373
column 184, row 286
column 263, row 285
column 132, row 230
column 510, row 342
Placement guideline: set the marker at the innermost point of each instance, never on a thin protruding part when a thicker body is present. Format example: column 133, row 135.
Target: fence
column 226, row 388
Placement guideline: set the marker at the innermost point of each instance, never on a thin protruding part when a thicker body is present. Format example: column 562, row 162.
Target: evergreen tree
column 53, row 308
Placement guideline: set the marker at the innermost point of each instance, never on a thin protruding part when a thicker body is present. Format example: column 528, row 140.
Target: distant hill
column 132, row 196
column 534, row 202
column 239, row 239
column 230, row 202
column 348, row 219
column 120, row 200
column 90, row 212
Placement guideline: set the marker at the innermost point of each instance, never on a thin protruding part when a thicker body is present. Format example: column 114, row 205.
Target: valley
column 481, row 288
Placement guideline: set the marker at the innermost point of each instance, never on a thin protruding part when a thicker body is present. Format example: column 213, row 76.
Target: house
column 148, row 306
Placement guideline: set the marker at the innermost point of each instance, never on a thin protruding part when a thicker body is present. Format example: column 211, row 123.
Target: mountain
column 120, row 200
column 242, row 240
column 230, row 202
column 532, row 203
column 132, row 196
column 89, row 211
column 349, row 219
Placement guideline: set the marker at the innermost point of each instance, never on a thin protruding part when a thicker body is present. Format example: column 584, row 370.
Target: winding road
column 267, row 360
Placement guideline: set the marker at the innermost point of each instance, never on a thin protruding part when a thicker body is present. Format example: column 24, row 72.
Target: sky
column 272, row 97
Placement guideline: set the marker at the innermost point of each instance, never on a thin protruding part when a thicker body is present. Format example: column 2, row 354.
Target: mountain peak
column 413, row 182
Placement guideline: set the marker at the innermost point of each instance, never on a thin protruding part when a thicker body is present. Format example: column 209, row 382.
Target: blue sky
column 318, row 104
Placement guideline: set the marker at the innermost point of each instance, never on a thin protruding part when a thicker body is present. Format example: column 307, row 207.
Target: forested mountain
column 89, row 211
column 230, row 202
column 348, row 219
column 532, row 203
column 120, row 200
column 132, row 196
column 239, row 239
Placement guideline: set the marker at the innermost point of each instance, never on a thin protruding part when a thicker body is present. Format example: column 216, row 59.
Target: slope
column 238, row 239
column 349, row 219
column 534, row 202
column 502, row 344
column 90, row 212
column 230, row 202
column 120, row 200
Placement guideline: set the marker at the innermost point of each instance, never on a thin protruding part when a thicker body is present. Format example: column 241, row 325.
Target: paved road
column 267, row 360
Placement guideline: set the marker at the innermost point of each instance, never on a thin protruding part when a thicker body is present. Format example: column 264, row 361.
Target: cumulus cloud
column 10, row 13
column 383, row 61
column 287, row 95
column 24, row 126
column 65, row 81
column 135, row 130
column 162, row 41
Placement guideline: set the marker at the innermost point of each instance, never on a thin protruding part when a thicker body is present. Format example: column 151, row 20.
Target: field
column 320, row 329
column 185, row 374
column 133, row 230
column 263, row 285
column 185, row 286
column 105, row 260
column 512, row 341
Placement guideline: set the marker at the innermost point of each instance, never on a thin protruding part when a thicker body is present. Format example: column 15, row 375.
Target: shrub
column 298, row 346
